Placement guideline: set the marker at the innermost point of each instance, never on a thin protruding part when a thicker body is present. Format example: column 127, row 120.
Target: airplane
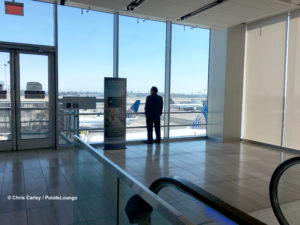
column 185, row 107
column 96, row 122
column 201, row 118
column 198, row 128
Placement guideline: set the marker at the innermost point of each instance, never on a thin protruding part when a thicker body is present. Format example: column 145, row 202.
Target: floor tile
column 67, row 212
column 14, row 218
column 12, row 203
column 41, row 215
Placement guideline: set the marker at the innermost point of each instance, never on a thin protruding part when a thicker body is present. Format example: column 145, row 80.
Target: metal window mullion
column 17, row 98
column 116, row 46
column 55, row 80
column 13, row 105
column 167, row 80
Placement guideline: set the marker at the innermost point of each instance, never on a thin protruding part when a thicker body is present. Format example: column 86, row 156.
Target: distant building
column 1, row 85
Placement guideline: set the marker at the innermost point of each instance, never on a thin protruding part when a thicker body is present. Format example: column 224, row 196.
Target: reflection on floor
column 238, row 173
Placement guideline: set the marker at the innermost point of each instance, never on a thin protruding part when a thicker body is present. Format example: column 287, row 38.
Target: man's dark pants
column 150, row 122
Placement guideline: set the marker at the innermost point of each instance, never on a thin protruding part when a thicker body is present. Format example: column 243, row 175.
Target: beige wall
column 226, row 83
column 264, row 80
column 234, row 82
column 292, row 121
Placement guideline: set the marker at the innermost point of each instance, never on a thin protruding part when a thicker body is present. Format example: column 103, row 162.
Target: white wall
column 226, row 83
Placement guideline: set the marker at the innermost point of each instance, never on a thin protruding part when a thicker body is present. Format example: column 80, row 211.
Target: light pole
column 5, row 65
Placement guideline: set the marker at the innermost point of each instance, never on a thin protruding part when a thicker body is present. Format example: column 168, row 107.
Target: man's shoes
column 148, row 142
column 157, row 142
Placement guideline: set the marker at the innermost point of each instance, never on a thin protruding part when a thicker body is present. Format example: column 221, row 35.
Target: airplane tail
column 172, row 101
column 201, row 118
column 131, row 113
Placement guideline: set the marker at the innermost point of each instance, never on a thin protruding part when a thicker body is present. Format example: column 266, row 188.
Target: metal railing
column 69, row 124
column 273, row 188
column 75, row 117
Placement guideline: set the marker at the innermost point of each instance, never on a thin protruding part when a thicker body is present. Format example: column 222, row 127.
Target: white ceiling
column 226, row 14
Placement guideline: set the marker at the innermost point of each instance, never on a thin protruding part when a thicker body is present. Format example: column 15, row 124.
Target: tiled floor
column 235, row 172
column 238, row 173
column 53, row 173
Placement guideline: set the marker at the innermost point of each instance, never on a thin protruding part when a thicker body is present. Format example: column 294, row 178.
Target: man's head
column 153, row 90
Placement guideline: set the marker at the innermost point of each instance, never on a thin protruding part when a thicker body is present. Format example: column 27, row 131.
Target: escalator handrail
column 195, row 191
column 273, row 188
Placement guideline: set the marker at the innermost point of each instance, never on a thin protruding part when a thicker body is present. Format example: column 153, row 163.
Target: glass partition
column 142, row 45
column 189, row 78
column 35, row 113
column 111, row 196
column 142, row 62
column 85, row 48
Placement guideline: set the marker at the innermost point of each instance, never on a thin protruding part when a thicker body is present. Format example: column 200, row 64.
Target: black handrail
column 195, row 191
column 273, row 188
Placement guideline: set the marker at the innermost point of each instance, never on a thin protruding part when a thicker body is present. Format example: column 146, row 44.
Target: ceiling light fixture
column 210, row 5
column 134, row 4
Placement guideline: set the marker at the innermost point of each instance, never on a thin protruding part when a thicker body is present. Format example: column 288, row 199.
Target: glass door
column 6, row 98
column 27, row 92
column 34, row 100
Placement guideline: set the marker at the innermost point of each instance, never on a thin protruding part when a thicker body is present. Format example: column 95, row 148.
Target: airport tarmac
column 180, row 120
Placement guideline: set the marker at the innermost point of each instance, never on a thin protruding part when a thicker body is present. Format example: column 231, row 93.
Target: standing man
column 153, row 111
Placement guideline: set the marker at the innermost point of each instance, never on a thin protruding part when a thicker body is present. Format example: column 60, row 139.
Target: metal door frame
column 15, row 50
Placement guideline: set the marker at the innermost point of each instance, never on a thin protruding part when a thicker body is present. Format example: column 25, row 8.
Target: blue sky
column 86, row 49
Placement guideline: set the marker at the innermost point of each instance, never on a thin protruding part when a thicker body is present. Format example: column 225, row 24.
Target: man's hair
column 154, row 89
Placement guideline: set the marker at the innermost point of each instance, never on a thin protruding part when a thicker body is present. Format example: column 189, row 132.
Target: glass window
column 85, row 48
column 142, row 62
column 35, row 27
column 5, row 98
column 189, row 76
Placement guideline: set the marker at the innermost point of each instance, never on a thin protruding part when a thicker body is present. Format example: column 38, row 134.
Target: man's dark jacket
column 154, row 106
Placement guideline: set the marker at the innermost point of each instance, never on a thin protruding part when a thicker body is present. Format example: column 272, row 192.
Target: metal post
column 77, row 121
column 55, row 94
column 167, row 80
column 118, row 201
column 13, row 97
column 116, row 46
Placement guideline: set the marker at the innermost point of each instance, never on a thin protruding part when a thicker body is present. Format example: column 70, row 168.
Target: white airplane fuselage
column 186, row 107
column 97, row 122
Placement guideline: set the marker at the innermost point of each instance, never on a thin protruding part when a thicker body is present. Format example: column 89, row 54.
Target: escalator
column 212, row 209
column 284, row 192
